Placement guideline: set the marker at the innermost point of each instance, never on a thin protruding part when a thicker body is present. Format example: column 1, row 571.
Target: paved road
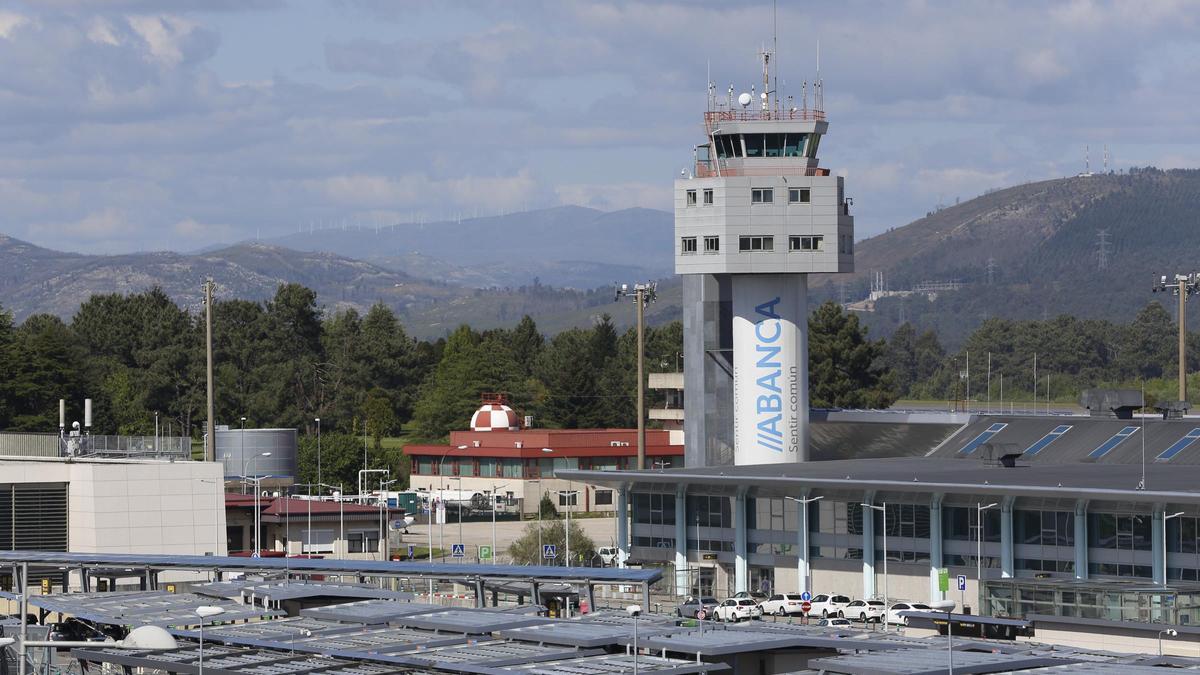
column 601, row 530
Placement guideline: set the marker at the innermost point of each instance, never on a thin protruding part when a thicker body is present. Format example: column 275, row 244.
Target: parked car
column 608, row 555
column 757, row 596
column 782, row 604
column 737, row 609
column 834, row 622
column 688, row 608
column 893, row 615
column 864, row 610
column 828, row 605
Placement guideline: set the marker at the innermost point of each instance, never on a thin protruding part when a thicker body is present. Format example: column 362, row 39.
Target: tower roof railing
column 753, row 115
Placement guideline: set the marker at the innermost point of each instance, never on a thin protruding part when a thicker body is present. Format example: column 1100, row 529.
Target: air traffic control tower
column 753, row 220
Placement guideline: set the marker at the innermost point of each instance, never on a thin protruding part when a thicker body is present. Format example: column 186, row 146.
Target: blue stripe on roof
column 1179, row 446
column 1048, row 439
column 983, row 438
column 1113, row 442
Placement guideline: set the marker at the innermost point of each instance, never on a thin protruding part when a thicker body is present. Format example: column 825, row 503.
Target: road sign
column 458, row 550
column 485, row 552
column 806, row 596
column 805, row 606
column 962, row 582
column 411, row 552
column 943, row 579
column 549, row 551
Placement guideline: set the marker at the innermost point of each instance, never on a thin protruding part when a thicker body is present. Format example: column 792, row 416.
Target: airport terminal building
column 1063, row 526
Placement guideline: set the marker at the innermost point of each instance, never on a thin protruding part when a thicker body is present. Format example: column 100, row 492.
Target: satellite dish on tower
column 744, row 99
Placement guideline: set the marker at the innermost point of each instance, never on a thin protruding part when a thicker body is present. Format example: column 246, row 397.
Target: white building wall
column 124, row 506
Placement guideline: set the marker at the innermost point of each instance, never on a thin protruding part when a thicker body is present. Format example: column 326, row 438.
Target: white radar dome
column 494, row 417
column 149, row 637
column 744, row 99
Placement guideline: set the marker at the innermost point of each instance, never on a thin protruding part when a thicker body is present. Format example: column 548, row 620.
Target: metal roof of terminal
column 263, row 633
column 156, row 608
column 931, row 662
column 369, row 611
column 323, row 565
column 931, row 475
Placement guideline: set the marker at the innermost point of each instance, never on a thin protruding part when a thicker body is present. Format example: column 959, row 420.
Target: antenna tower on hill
column 1103, row 248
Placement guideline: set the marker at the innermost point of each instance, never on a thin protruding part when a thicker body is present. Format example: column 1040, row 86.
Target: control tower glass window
column 799, row 195
column 762, row 195
column 793, row 145
column 756, row 243
column 774, row 145
column 687, row 245
column 729, row 146
column 755, row 145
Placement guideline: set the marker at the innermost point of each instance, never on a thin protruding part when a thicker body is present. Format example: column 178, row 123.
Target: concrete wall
column 123, row 506
column 529, row 492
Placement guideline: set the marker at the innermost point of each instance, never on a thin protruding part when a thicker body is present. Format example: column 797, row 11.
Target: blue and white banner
column 770, row 368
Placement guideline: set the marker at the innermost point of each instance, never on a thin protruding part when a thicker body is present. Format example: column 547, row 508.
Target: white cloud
column 102, row 32
column 163, row 36
column 9, row 22
column 100, row 225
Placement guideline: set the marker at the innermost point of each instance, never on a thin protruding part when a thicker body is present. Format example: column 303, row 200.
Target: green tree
column 546, row 507
column 44, row 360
column 527, row 344
column 341, row 458
column 845, row 368
column 379, row 418
column 8, row 364
column 525, row 551
column 468, row 368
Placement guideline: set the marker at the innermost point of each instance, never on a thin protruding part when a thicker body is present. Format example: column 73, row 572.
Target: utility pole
column 642, row 294
column 210, row 439
column 1182, row 286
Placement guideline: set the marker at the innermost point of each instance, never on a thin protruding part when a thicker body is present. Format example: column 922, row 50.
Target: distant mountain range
column 1087, row 245
column 566, row 246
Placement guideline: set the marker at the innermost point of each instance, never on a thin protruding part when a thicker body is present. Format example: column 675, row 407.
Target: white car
column 893, row 614
column 737, row 609
column 782, row 604
column 831, row 623
column 864, row 610
column 826, row 606
column 608, row 555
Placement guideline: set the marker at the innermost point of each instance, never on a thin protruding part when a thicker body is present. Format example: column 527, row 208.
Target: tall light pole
column 1182, row 286
column 442, row 501
column 642, row 295
column 257, row 508
column 569, row 494
column 242, row 450
column 882, row 509
column 947, row 606
column 460, row 494
column 1165, row 519
column 383, row 532
column 210, row 441
column 979, row 509
column 539, row 506
column 318, row 420
column 803, row 569
column 494, row 489
column 205, row 612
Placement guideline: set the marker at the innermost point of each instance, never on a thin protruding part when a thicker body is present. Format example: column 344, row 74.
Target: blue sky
column 135, row 125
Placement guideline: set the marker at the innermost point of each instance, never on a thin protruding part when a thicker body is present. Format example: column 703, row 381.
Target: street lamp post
column 1165, row 519
column 979, row 509
column 883, row 509
column 442, row 501
column 947, row 606
column 1170, row 632
column 318, row 421
column 205, row 612
column 1182, row 286
column 494, row 489
column 459, row 502
column 383, row 532
column 569, row 494
column 539, row 507
column 803, row 569
column 642, row 295
column 257, row 496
